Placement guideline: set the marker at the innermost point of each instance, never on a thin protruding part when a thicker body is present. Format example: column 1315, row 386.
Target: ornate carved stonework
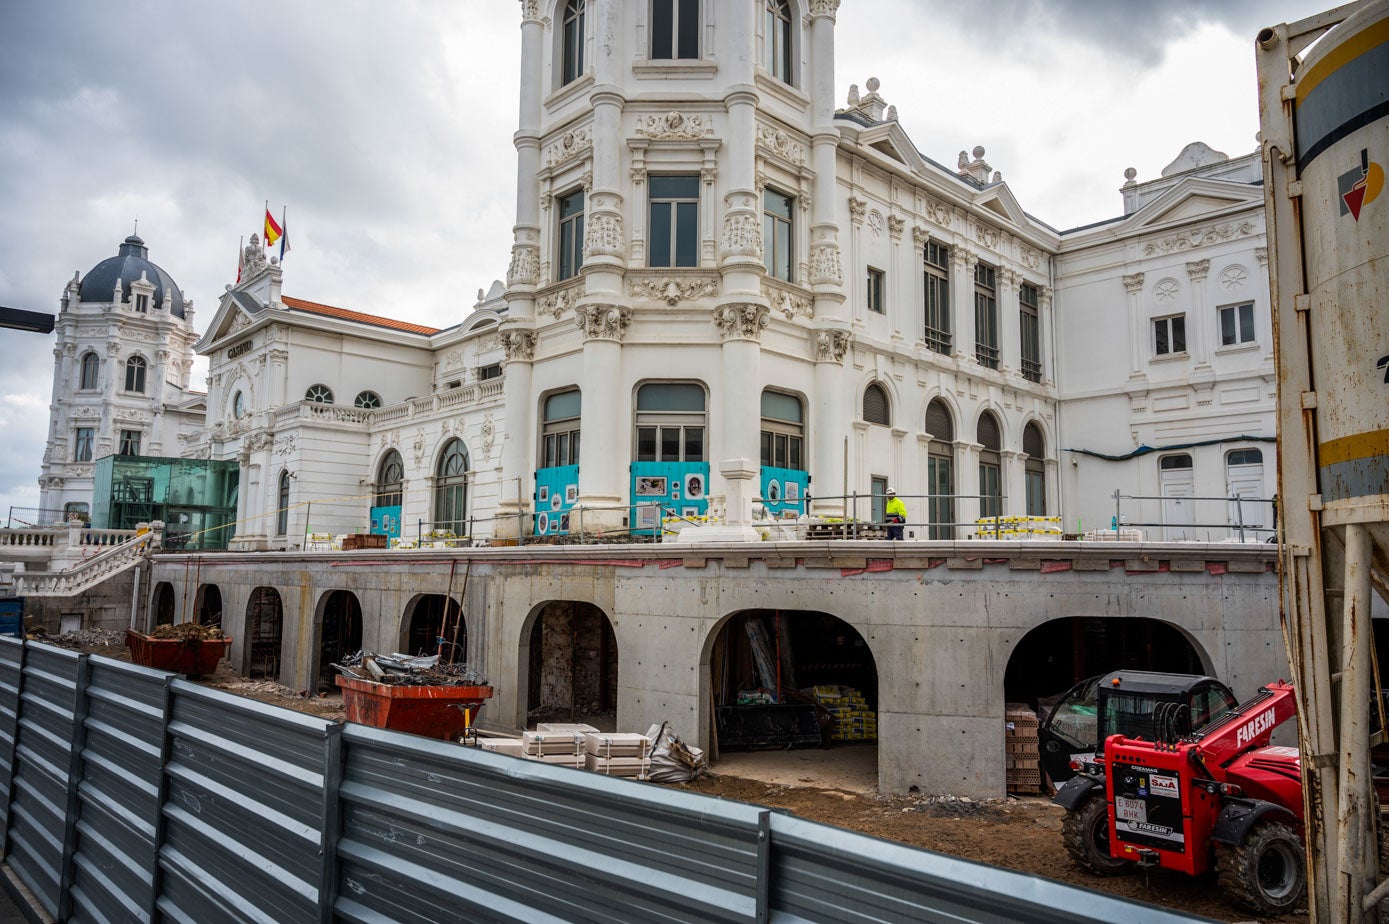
column 857, row 209
column 453, row 359
column 1261, row 254
column 487, row 437
column 1233, row 277
column 518, row 345
column 1198, row 269
column 239, row 321
column 987, row 236
column 131, row 414
column 1133, row 283
column 1166, row 290
column 964, row 260
column 823, row 7
column 742, row 235
column 419, row 445
column 895, row 226
column 530, row 11
column 525, row 265
column 287, row 446
column 920, row 235
column 1199, row 237
column 672, row 291
column 252, row 258
column 824, row 263
column 831, row 345
column 490, row 342
column 675, row 126
column 781, row 145
column 792, row 306
column 556, row 304
column 937, row 213
column 569, row 146
column 741, row 322
column 603, row 236
column 603, row 322
column 1032, row 259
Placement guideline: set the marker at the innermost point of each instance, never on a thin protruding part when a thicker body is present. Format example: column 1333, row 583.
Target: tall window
column 135, row 374
column 783, row 431
column 876, row 408
column 1236, row 324
column 1169, row 335
column 1035, row 470
column 1031, row 333
column 876, row 284
column 776, row 234
column 130, row 443
column 451, row 488
column 985, row 316
column 82, row 444
column 91, row 371
column 571, row 234
column 937, row 273
column 572, row 67
column 390, row 481
column 940, row 470
column 670, row 422
column 990, row 467
column 674, row 221
column 319, row 394
column 559, row 436
column 142, row 304
column 674, row 29
column 777, row 21
column 282, row 505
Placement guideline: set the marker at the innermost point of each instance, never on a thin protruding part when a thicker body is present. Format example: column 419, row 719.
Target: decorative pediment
column 889, row 139
column 1194, row 200
column 1000, row 201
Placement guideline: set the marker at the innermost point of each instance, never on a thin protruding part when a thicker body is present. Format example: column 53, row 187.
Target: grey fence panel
column 39, row 804
column 435, row 832
column 825, row 875
column 11, row 662
column 244, row 813
column 115, row 857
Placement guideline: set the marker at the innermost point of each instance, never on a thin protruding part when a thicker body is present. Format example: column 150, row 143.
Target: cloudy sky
column 385, row 127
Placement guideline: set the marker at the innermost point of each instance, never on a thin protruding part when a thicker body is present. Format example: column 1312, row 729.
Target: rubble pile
column 405, row 669
column 187, row 632
column 84, row 638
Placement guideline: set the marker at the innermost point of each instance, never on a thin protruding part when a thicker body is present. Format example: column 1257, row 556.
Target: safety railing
column 1244, row 519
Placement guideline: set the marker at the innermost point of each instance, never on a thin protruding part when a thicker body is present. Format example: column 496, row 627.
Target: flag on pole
column 284, row 233
column 272, row 228
column 240, row 258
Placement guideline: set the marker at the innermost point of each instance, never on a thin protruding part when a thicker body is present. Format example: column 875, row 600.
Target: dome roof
column 129, row 262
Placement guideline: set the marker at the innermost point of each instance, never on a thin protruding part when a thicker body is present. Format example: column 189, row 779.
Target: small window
column 776, row 234
column 489, row 371
column 1245, row 457
column 674, row 29
column 572, row 54
column 130, row 443
column 367, row 400
column 142, row 304
column 985, row 315
column 936, row 259
column 239, row 405
column 319, row 394
column 674, row 221
column 1236, row 324
column 91, row 370
column 875, row 290
column 876, row 409
column 571, row 234
column 1169, row 335
column 135, row 374
column 82, row 444
column 1180, row 461
column 777, row 57
column 1031, row 332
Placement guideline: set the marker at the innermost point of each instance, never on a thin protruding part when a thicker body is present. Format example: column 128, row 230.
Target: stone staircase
column 87, row 573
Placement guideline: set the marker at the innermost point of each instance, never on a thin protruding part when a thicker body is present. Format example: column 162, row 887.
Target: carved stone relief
column 525, row 265
column 569, row 146
column 858, row 208
column 781, row 145
column 556, row 304
column 518, row 345
column 603, row 236
column 1233, row 277
column 1166, row 290
column 1199, row 237
column 675, row 126
column 792, row 306
column 1133, row 282
column 831, row 345
column 741, row 322
column 487, row 437
column 603, row 322
column 895, row 226
column 742, row 235
column 824, row 263
column 672, row 291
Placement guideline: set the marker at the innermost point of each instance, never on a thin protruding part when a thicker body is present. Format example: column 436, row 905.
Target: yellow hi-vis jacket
column 895, row 507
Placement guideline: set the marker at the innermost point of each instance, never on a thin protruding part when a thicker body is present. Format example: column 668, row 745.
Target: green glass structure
column 196, row 498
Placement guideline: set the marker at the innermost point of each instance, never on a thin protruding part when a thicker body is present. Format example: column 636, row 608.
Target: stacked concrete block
column 854, row 719
column 1024, row 770
column 622, row 754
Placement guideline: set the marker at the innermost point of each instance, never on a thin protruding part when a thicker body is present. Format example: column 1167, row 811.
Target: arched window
column 777, row 58
column 451, row 489
column 135, row 374
column 91, row 371
column 876, row 409
column 282, row 506
column 572, row 53
column 559, row 435
column 369, row 400
column 390, row 481
column 239, row 405
column 1035, row 470
column 319, row 394
column 670, row 422
column 940, row 470
column 990, row 466
column 783, row 431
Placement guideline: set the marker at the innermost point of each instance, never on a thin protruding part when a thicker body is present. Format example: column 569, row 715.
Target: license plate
column 1131, row 809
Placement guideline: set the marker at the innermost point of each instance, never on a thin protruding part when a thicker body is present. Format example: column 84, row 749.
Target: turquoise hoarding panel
column 665, row 489
column 784, row 489
column 556, row 490
column 385, row 521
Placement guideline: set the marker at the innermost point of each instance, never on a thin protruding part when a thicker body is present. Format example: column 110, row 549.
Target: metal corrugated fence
column 134, row 796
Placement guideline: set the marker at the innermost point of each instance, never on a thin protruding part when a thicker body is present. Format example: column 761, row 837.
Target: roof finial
column 136, row 232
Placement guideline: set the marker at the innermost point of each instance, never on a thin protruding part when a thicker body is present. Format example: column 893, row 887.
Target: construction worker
column 896, row 515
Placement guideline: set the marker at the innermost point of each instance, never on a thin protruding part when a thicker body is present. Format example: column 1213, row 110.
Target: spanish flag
column 272, row 228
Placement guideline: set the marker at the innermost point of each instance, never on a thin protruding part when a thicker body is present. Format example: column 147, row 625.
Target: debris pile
column 405, row 669
column 187, row 632
column 83, row 639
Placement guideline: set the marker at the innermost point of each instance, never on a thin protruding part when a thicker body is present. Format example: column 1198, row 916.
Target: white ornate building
column 713, row 262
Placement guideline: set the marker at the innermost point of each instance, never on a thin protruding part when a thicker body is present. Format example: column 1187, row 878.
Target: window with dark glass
column 571, row 234
column 783, row 431
column 940, row 471
column 319, row 394
column 142, row 304
column 985, row 316
column 390, row 481
column 670, row 422
column 777, row 24
column 936, row 258
column 875, row 290
column 282, row 506
column 1169, row 335
column 91, row 371
column 876, row 409
column 572, row 63
column 1236, row 324
column 130, row 443
column 1035, row 470
column 489, row 371
column 559, row 438
column 1031, row 332
column 82, row 444
column 674, row 221
column 776, row 234
column 674, row 29
column 135, row 374
column 451, row 489
column 990, row 467
column 367, row 400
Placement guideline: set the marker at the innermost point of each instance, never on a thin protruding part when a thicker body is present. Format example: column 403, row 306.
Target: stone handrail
column 32, row 538
column 85, row 575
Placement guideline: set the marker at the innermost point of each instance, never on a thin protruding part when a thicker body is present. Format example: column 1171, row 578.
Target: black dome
column 129, row 262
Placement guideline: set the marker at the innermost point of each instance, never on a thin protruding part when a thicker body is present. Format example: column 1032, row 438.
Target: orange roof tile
column 300, row 304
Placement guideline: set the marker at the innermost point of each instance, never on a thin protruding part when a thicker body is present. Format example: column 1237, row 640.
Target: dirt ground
column 837, row 786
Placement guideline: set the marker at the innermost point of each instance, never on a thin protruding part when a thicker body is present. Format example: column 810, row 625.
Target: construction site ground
column 838, row 786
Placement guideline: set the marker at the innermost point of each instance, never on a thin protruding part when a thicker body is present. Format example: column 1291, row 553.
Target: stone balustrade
column 87, row 573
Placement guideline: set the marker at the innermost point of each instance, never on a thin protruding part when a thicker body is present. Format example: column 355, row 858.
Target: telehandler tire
column 1085, row 832
column 1268, row 872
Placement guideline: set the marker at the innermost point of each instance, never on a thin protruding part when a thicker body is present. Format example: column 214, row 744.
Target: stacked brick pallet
column 582, row 747
column 854, row 719
column 1020, row 742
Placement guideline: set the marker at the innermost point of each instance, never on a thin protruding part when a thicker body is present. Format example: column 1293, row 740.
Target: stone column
column 829, row 421
column 1138, row 330
column 1009, row 322
column 740, row 384
column 1014, row 482
column 606, row 418
column 1045, row 320
column 1201, row 330
column 155, row 384
column 962, row 263
column 967, row 486
column 517, row 458
column 115, row 372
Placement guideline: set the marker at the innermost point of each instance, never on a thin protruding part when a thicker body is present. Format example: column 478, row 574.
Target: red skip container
column 434, row 711
column 193, row 657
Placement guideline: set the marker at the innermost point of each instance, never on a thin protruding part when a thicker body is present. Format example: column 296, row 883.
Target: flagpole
column 284, row 231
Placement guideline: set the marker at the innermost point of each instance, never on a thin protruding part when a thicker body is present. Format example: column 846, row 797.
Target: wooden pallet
column 844, row 531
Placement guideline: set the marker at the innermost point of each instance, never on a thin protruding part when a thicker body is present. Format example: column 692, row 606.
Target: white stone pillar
column 115, row 372
column 962, row 263
column 517, row 453
column 1045, row 320
column 967, row 486
column 1009, row 322
column 829, row 423
column 606, row 419
column 1138, row 323
column 740, row 386
column 1014, row 482
column 1201, row 328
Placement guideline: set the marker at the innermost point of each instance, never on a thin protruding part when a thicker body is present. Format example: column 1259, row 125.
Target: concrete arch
column 427, row 617
column 263, row 634
column 337, row 625
column 163, row 605
column 207, row 605
column 592, row 640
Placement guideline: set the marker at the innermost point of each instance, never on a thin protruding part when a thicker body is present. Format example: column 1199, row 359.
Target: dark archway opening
column 573, row 666
column 792, row 678
column 209, row 608
column 265, row 632
column 426, row 623
column 340, row 634
column 164, row 604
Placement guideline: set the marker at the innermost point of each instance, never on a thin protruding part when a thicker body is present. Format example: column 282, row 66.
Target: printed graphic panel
column 784, row 489
column 665, row 489
column 556, row 490
column 385, row 521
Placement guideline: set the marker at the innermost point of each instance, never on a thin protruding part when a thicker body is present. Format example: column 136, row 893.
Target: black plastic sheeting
column 1145, row 450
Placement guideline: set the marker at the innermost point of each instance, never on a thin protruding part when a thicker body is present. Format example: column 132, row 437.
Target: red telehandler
column 1189, row 800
